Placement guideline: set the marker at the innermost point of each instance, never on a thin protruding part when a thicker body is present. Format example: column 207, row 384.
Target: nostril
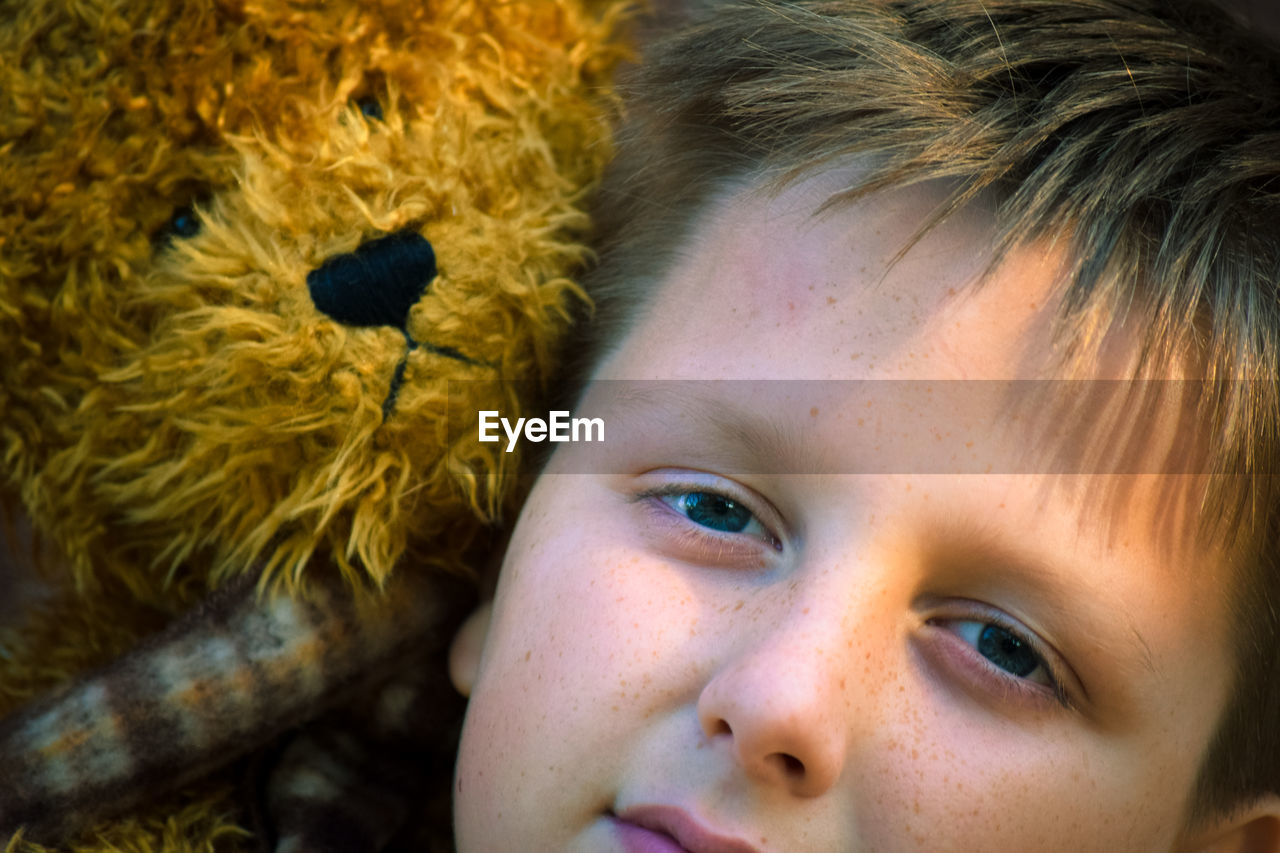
column 791, row 765
column 378, row 283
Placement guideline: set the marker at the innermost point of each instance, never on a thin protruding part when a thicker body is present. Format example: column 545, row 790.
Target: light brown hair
column 1145, row 131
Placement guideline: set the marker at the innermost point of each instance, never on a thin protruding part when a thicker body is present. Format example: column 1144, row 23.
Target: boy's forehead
column 767, row 269
column 764, row 271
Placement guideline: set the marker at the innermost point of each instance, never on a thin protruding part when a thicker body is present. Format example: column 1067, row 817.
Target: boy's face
column 683, row 649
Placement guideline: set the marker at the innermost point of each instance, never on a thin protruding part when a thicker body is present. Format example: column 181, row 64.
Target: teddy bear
column 262, row 262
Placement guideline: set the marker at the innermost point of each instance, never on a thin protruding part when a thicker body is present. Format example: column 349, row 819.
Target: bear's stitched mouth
column 377, row 284
column 397, row 378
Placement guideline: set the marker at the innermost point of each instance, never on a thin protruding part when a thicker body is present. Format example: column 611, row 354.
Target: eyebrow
column 751, row 441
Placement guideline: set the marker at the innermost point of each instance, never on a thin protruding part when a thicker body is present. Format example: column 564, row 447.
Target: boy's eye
column 1004, row 649
column 717, row 512
column 708, row 518
column 711, row 510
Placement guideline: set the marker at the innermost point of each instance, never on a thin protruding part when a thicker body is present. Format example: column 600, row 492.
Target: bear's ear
column 467, row 647
column 1254, row 829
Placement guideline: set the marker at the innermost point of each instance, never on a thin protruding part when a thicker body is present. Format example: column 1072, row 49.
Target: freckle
column 831, row 300
column 528, row 654
column 811, row 288
column 739, row 606
column 842, row 681
column 951, row 291
column 813, row 412
column 791, row 306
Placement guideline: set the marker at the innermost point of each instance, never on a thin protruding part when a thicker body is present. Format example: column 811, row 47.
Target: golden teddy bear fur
column 176, row 412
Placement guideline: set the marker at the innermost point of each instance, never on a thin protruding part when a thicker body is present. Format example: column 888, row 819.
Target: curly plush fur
column 259, row 263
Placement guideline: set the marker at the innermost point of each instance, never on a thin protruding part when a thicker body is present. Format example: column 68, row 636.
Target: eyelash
column 996, row 678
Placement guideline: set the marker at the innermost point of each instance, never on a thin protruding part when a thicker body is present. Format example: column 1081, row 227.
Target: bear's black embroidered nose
column 376, row 284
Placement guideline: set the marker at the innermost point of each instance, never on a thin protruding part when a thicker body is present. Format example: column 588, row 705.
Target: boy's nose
column 781, row 707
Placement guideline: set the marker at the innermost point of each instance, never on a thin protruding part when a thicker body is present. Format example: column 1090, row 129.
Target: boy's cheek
column 932, row 786
column 585, row 633
column 548, row 716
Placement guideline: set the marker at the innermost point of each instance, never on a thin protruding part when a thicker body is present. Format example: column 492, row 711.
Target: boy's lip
column 668, row 823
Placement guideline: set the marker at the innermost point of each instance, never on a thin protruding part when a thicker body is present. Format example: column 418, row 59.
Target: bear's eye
column 369, row 107
column 182, row 223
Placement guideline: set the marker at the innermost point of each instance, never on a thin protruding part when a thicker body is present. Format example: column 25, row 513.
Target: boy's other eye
column 1002, row 660
column 1004, row 649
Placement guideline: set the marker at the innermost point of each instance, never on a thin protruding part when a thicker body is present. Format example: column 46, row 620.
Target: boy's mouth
column 668, row 829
